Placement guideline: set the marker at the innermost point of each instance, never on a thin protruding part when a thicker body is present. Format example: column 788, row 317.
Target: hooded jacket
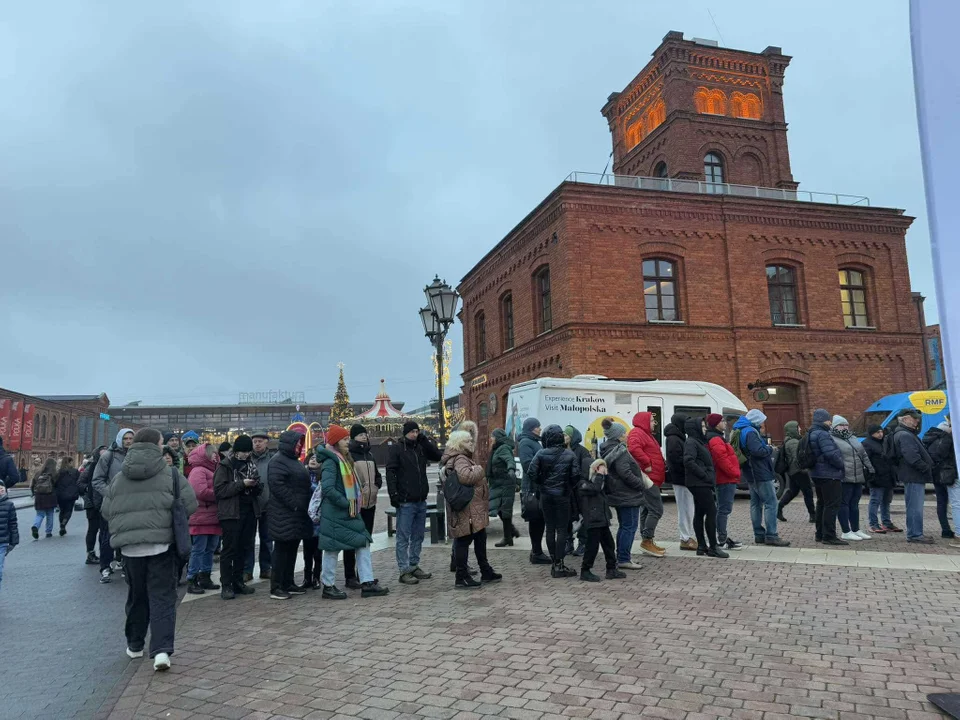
column 407, row 469
column 674, row 438
column 592, row 496
column 584, row 458
column 338, row 530
column 939, row 443
column 501, row 474
column 108, row 466
column 791, row 443
column 726, row 466
column 9, row 475
column 9, row 530
column 367, row 473
column 625, row 485
column 697, row 460
column 289, row 491
column 759, row 465
column 138, row 502
column 645, row 449
column 204, row 521
column 828, row 459
column 528, row 445
column 914, row 464
column 856, row 464
column 67, row 485
column 554, row 470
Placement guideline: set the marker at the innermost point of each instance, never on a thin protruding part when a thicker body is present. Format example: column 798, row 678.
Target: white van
column 585, row 400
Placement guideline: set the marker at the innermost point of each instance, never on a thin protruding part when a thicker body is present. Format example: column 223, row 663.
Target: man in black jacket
column 555, row 472
column 914, row 470
column 674, row 438
column 574, row 441
column 881, row 484
column 290, row 493
column 939, row 443
column 9, row 475
column 408, row 488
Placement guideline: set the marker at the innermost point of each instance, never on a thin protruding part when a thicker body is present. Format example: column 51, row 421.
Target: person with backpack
column 596, row 518
column 408, row 487
column 727, row 470
column 9, row 475
column 939, row 443
column 554, row 474
column 701, row 480
column 205, row 530
column 109, row 465
column 881, row 483
column 528, row 445
column 68, row 491
column 9, row 531
column 501, row 474
column 914, row 469
column 674, row 438
column 757, row 469
column 84, row 484
column 644, row 448
column 44, row 492
column 819, row 449
column 468, row 526
column 798, row 479
column 856, row 470
column 138, row 507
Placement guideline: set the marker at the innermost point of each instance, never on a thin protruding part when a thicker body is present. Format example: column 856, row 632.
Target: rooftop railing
column 709, row 188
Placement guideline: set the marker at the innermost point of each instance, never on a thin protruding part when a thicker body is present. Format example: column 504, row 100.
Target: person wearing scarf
column 856, row 469
column 237, row 487
column 341, row 526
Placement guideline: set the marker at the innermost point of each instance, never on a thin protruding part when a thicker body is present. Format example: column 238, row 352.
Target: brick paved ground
column 683, row 638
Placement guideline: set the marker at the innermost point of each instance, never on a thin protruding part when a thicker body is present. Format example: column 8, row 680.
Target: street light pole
column 437, row 317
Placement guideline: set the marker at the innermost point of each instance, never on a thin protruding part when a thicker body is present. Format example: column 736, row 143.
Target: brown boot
column 690, row 544
column 649, row 547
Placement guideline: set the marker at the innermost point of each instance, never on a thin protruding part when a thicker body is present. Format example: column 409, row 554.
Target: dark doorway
column 782, row 406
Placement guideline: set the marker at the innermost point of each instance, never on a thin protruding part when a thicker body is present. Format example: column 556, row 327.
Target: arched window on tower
column 782, row 292
column 713, row 172
column 660, row 170
column 660, row 295
column 710, row 101
column 746, row 105
column 635, row 134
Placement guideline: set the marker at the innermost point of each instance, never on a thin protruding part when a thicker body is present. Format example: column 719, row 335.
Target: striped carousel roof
column 382, row 407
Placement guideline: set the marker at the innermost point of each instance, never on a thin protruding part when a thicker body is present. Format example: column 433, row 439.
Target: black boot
column 243, row 589
column 489, row 577
column 701, row 550
column 467, row 583
column 332, row 592
column 506, row 542
column 372, row 589
column 193, row 586
column 588, row 576
column 540, row 559
column 226, row 593
column 92, row 558
column 717, row 553
column 614, row 574
column 206, row 583
column 780, row 516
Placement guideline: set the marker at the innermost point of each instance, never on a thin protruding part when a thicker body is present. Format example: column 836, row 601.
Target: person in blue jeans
column 408, row 487
column 881, row 484
column 626, row 489
column 914, row 470
column 727, row 469
column 9, row 534
column 45, row 497
column 759, row 474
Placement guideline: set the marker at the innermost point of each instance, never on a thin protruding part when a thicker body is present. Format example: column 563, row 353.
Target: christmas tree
column 341, row 401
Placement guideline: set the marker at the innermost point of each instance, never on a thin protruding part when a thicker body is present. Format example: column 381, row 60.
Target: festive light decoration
column 341, row 401
column 447, row 356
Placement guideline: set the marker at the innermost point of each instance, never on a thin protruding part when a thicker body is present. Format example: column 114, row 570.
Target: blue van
column 932, row 404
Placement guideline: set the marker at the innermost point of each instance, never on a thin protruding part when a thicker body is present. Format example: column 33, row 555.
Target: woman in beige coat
column 469, row 526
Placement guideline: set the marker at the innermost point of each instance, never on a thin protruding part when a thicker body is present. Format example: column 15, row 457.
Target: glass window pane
column 649, row 287
column 771, row 272
column 845, row 296
column 843, row 277
column 649, row 268
column 858, row 296
column 669, row 314
column 653, row 314
column 666, row 268
column 856, row 278
column 650, row 301
column 668, row 302
column 666, row 288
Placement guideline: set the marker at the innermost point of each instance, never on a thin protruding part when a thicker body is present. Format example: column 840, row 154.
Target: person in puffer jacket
column 368, row 475
column 596, row 518
column 701, row 481
column 758, row 472
column 554, row 472
column 674, row 438
column 205, row 528
column 574, row 440
column 501, row 474
column 9, row 532
column 727, row 469
column 939, row 443
column 528, row 445
column 856, row 469
column 827, row 475
column 881, row 484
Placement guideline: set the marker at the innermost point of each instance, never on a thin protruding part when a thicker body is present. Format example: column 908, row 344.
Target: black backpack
column 43, row 484
column 781, row 466
column 805, row 457
column 457, row 495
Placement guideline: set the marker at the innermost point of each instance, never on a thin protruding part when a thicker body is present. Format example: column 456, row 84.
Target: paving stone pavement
column 682, row 638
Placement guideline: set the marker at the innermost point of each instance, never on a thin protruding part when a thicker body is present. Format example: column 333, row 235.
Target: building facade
column 699, row 259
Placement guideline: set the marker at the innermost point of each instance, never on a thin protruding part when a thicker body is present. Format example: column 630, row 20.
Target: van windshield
column 860, row 425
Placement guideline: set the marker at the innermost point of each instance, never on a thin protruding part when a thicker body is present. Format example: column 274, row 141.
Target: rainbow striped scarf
column 350, row 485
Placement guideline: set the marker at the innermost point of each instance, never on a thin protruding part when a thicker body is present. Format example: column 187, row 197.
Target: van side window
column 657, row 412
column 692, row 411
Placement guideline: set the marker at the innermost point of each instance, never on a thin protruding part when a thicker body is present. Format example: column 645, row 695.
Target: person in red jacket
column 728, row 475
column 644, row 448
column 205, row 528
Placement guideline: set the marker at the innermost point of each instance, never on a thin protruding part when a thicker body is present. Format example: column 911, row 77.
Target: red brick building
column 699, row 259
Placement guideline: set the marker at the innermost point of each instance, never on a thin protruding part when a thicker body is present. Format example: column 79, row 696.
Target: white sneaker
column 161, row 662
column 134, row 654
column 863, row 535
column 629, row 566
column 115, row 566
column 851, row 536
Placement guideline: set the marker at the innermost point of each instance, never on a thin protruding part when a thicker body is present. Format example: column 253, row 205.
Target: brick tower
column 701, row 112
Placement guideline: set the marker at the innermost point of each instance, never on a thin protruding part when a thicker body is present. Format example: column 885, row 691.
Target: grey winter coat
column 856, row 463
column 624, row 480
column 109, row 466
column 263, row 461
column 138, row 502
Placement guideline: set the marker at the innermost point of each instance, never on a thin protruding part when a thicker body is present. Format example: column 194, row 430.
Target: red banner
column 16, row 424
column 5, row 419
column 26, row 442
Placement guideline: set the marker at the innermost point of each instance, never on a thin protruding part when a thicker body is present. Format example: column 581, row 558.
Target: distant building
column 935, row 356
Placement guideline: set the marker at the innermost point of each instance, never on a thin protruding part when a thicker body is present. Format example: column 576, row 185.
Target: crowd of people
column 134, row 492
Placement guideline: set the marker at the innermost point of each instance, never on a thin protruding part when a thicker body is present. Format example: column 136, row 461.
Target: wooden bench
column 436, row 516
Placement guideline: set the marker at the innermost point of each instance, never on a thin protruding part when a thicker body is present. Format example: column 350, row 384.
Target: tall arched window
column 481, row 338
column 660, row 297
column 63, row 429
column 660, row 170
column 43, row 427
column 543, row 300
column 710, row 102
column 656, row 115
column 506, row 321
column 635, row 134
column 53, row 428
column 713, row 168
column 73, row 430
column 853, row 298
column 746, row 105
column 782, row 291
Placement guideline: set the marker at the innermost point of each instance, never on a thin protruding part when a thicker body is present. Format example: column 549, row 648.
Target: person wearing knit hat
column 856, row 469
column 356, row 430
column 408, row 488
column 714, row 419
column 528, row 445
column 264, row 557
column 239, row 490
column 759, row 474
column 881, row 484
column 827, row 474
column 335, row 434
column 223, row 449
column 370, row 481
column 574, row 440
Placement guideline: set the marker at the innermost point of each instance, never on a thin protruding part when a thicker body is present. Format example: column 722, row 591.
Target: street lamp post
column 437, row 317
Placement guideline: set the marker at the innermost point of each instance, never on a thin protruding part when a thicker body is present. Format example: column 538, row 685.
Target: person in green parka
column 341, row 526
column 502, row 479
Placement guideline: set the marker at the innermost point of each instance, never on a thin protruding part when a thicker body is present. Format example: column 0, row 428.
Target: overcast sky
column 198, row 199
